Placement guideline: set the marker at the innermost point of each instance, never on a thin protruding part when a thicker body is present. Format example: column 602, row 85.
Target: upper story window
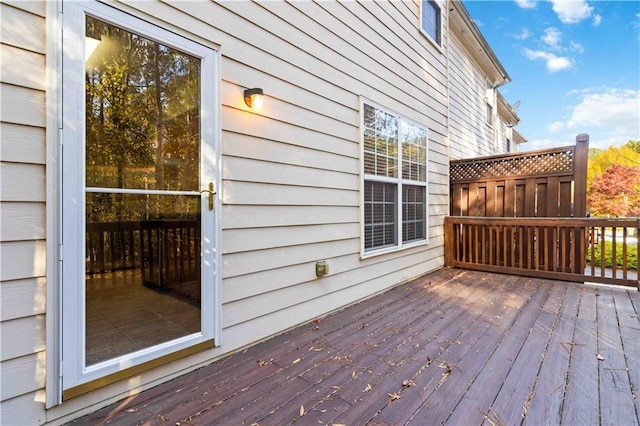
column 490, row 101
column 395, row 180
column 431, row 20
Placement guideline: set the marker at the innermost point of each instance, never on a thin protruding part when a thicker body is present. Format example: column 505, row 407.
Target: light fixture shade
column 254, row 98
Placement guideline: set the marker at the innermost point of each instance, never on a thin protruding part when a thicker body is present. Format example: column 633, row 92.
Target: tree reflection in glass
column 142, row 202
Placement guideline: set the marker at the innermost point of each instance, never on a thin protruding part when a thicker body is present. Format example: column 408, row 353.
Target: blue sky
column 574, row 65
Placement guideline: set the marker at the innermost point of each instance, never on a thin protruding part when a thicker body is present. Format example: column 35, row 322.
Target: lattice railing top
column 533, row 164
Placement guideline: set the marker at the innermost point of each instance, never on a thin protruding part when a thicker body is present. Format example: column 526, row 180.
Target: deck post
column 638, row 251
column 448, row 242
column 581, row 157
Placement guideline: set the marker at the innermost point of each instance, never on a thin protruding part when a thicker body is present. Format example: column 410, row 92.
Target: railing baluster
column 544, row 247
column 624, row 253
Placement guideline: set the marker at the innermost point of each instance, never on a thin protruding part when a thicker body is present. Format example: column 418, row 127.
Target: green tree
column 142, row 119
column 634, row 145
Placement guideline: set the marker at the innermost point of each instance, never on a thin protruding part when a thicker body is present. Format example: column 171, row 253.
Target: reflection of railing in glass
column 163, row 253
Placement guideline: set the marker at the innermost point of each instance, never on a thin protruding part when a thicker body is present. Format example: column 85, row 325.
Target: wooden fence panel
column 546, row 183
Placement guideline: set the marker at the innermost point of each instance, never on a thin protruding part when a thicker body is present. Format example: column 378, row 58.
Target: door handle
column 211, row 193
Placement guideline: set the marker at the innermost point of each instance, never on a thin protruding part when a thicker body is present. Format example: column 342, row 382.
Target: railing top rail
column 547, row 221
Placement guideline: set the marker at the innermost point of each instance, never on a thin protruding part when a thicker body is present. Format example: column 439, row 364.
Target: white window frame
column 71, row 370
column 439, row 5
column 490, row 106
column 398, row 181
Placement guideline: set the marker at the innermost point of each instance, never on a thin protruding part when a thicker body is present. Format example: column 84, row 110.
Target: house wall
column 469, row 133
column 291, row 173
column 22, row 209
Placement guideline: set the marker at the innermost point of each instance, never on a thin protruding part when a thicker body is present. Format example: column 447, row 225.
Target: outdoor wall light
column 254, row 98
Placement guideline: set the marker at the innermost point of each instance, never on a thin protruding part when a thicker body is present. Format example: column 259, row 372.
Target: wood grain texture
column 22, row 221
column 22, row 144
column 22, row 29
column 459, row 347
column 22, row 298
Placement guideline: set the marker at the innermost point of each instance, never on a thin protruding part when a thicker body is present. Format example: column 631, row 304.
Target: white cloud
column 597, row 20
column 611, row 114
column 611, row 108
column 572, row 11
column 556, row 126
column 576, row 47
column 554, row 63
column 524, row 34
column 526, row 4
column 552, row 38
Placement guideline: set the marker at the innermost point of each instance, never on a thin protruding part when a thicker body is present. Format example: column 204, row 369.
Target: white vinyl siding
column 469, row 134
column 22, row 208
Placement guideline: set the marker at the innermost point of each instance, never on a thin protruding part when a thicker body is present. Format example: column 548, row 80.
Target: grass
column 632, row 256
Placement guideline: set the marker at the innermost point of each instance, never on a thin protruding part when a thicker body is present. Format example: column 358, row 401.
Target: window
column 431, row 20
column 395, row 180
column 489, row 99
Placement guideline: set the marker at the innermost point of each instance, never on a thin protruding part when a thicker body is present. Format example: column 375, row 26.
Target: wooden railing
column 570, row 249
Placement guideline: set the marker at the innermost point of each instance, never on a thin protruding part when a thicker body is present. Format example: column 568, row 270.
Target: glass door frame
column 77, row 378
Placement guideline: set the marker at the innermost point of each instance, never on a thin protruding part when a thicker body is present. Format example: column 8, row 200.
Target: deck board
column 454, row 347
column 581, row 405
column 546, row 407
column 616, row 395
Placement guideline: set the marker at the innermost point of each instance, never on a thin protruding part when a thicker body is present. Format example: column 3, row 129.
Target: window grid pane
column 380, row 143
column 413, row 213
column 414, row 152
column 431, row 19
column 380, row 222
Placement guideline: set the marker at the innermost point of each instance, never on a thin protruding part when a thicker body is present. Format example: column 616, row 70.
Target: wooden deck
column 455, row 347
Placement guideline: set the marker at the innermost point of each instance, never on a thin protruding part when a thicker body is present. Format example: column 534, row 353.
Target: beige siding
column 27, row 409
column 290, row 174
column 469, row 134
column 22, row 208
column 297, row 161
column 22, row 298
column 23, row 144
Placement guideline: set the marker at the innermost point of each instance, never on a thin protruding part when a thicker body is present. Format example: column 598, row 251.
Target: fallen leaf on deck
column 367, row 388
column 394, row 396
column 599, row 357
column 301, row 410
column 297, row 360
column 261, row 363
column 408, row 383
column 131, row 410
column 353, row 374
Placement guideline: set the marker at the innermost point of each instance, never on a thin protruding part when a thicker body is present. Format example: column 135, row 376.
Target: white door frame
column 70, row 182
